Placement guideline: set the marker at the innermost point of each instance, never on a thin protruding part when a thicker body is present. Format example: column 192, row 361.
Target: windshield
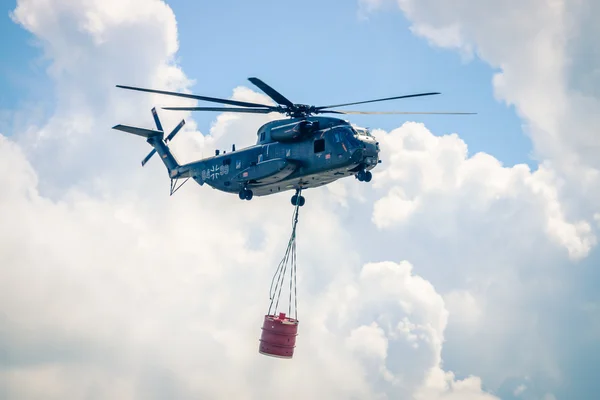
column 364, row 132
column 345, row 134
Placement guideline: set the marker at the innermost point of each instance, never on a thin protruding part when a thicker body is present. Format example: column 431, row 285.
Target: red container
column 278, row 337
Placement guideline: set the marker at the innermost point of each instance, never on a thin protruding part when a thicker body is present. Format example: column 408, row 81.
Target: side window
column 319, row 145
column 336, row 136
column 262, row 136
column 288, row 153
column 260, row 158
column 238, row 164
column 227, row 161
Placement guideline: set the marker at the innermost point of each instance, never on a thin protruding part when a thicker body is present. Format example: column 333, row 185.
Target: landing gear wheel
column 298, row 200
column 246, row 194
column 361, row 175
column 368, row 176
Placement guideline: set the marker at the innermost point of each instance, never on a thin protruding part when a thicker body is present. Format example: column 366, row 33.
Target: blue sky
column 23, row 80
column 313, row 52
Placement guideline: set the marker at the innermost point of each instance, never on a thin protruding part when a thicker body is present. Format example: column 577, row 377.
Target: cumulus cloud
column 134, row 305
column 109, row 286
column 547, row 64
column 394, row 316
column 422, row 168
column 98, row 294
column 91, row 46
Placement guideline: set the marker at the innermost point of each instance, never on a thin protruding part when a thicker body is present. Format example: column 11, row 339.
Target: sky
column 466, row 269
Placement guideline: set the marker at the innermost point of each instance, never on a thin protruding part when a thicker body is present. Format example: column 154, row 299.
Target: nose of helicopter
column 371, row 153
column 367, row 154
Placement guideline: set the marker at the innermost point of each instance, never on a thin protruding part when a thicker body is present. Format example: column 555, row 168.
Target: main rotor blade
column 196, row 97
column 395, row 112
column 328, row 112
column 272, row 93
column 373, row 101
column 224, row 109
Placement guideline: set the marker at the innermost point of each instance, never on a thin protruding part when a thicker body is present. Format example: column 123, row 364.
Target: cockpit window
column 362, row 132
column 340, row 133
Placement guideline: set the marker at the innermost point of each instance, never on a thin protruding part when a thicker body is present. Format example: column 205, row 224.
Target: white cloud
column 464, row 308
column 369, row 340
column 106, row 282
column 548, row 61
column 142, row 295
column 394, row 208
column 425, row 169
column 548, row 70
column 145, row 302
column 443, row 386
column 520, row 389
column 92, row 46
column 394, row 316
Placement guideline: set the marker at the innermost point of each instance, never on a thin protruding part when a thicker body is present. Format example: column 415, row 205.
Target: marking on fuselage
column 214, row 172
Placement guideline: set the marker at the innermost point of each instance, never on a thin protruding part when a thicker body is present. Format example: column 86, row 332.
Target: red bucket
column 278, row 337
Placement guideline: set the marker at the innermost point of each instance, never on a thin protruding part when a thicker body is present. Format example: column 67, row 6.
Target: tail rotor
column 160, row 128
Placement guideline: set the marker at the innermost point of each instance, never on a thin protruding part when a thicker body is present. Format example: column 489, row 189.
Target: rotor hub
column 300, row 110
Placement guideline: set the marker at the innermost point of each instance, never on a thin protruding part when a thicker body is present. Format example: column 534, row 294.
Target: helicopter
column 305, row 150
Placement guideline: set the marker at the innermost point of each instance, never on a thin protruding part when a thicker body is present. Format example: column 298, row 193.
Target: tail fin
column 155, row 139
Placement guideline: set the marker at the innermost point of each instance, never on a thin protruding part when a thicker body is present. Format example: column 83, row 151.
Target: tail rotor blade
column 156, row 119
column 160, row 128
column 174, row 132
column 148, row 157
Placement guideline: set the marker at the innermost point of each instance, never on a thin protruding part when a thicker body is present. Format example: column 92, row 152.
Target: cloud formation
column 108, row 286
column 547, row 62
column 547, row 65
column 536, row 62
column 424, row 169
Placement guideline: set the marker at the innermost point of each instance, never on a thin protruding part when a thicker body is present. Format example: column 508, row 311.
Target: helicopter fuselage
column 331, row 150
column 306, row 151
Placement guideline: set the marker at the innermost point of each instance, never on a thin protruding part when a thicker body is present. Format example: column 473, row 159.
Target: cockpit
column 363, row 134
column 355, row 136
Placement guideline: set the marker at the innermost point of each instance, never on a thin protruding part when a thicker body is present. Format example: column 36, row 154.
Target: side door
column 338, row 145
column 268, row 153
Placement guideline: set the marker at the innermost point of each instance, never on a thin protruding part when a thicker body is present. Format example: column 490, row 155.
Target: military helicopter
column 301, row 152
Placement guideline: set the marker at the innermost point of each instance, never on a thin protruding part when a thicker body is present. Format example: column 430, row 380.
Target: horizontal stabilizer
column 147, row 133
